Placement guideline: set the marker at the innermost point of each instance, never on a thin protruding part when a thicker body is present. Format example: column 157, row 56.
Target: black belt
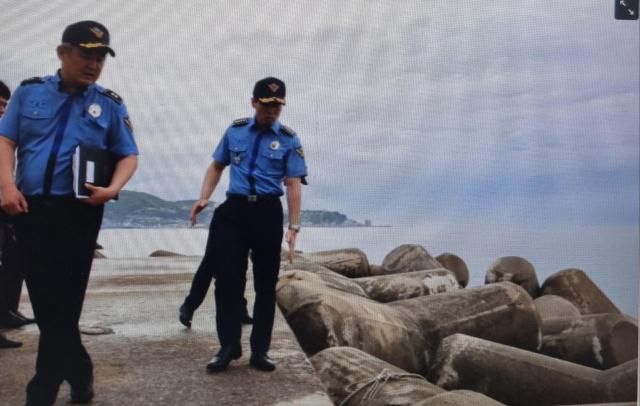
column 251, row 198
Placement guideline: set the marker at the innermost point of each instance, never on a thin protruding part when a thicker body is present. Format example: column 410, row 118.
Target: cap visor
column 96, row 45
column 272, row 100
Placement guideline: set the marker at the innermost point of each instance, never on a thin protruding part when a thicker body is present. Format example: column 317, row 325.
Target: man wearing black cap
column 262, row 154
column 56, row 233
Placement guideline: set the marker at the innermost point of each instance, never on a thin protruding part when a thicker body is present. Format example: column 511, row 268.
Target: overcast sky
column 409, row 111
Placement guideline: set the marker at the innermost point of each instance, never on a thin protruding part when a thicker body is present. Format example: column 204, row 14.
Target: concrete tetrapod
column 350, row 262
column 353, row 377
column 407, row 258
column 599, row 341
column 574, row 285
column 389, row 288
column 514, row 269
column 552, row 306
column 456, row 265
column 383, row 288
column 518, row 377
column 406, row 333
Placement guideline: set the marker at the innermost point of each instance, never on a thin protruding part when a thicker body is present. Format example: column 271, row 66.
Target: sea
column 608, row 254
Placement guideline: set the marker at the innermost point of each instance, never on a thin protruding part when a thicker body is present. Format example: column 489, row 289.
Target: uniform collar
column 275, row 127
column 57, row 81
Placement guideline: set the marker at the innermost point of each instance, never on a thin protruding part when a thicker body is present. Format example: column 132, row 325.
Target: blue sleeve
column 10, row 121
column 296, row 166
column 121, row 140
column 221, row 154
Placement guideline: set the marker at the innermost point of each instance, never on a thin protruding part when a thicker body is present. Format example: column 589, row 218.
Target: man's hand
column 13, row 202
column 99, row 195
column 290, row 237
column 197, row 208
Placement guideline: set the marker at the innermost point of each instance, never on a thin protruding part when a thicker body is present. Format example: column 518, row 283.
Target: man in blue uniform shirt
column 56, row 233
column 262, row 154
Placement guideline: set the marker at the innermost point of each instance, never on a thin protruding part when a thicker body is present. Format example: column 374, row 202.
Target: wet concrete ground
column 151, row 358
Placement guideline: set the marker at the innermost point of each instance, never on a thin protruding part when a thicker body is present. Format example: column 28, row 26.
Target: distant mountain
column 142, row 210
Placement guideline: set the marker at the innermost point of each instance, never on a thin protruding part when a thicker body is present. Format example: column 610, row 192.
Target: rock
column 518, row 377
column 553, row 306
column 575, row 286
column 350, row 262
column 514, row 269
column 163, row 253
column 409, row 257
column 456, row 265
column 389, row 288
column 353, row 377
column 599, row 341
column 406, row 333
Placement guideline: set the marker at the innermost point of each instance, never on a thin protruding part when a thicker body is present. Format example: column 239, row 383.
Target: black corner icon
column 626, row 9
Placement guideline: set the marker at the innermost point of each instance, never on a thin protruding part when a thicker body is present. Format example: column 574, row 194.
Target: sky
column 409, row 111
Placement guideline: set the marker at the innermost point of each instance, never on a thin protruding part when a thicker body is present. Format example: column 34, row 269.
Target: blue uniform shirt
column 260, row 159
column 36, row 114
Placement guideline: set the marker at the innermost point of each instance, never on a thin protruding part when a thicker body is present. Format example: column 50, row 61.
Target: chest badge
column 95, row 110
column 274, row 145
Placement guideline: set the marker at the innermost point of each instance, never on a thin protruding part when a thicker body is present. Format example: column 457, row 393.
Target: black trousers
column 203, row 276
column 56, row 241
column 239, row 227
column 11, row 274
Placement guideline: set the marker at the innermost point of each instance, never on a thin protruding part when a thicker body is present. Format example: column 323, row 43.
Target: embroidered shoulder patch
column 287, row 131
column 113, row 95
column 127, row 122
column 32, row 81
column 240, row 122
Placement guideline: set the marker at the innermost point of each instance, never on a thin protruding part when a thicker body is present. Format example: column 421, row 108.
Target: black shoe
column 223, row 358
column 185, row 316
column 26, row 319
column 6, row 343
column 262, row 362
column 11, row 320
column 82, row 395
column 246, row 319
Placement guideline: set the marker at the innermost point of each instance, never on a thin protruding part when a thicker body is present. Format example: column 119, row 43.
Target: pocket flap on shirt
column 238, row 147
column 273, row 154
column 36, row 113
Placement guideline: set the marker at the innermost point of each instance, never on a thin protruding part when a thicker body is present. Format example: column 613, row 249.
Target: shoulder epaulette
column 112, row 95
column 240, row 122
column 32, row 81
column 288, row 131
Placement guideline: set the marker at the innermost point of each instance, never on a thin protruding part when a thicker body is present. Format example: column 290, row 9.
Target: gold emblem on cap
column 97, row 32
column 273, row 87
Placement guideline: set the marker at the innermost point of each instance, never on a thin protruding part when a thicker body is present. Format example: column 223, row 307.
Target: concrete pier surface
column 150, row 358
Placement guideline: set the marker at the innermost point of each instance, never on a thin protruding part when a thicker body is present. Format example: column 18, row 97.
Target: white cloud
column 390, row 98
